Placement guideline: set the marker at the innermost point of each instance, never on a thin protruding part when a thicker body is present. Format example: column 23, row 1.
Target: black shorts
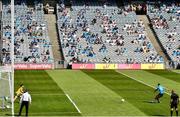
column 174, row 105
column 160, row 95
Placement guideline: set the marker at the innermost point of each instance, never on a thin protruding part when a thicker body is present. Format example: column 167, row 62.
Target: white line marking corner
column 140, row 81
column 73, row 103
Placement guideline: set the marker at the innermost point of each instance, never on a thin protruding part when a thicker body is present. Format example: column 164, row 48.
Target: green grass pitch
column 47, row 98
column 97, row 92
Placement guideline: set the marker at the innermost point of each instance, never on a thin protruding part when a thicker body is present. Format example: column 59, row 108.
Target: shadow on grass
column 151, row 102
column 9, row 115
column 159, row 115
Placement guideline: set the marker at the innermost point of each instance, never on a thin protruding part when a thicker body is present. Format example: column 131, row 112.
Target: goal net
column 6, row 90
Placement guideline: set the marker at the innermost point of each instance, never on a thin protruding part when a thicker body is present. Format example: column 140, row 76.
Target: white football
column 122, row 100
column 8, row 106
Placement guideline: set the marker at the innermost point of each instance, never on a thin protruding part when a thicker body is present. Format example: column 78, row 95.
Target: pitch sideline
column 63, row 95
column 51, row 94
column 141, row 81
column 73, row 103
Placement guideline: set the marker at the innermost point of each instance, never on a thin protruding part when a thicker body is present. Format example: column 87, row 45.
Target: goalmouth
column 6, row 90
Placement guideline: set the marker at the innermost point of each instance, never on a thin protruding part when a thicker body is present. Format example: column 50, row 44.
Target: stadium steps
column 53, row 35
column 152, row 37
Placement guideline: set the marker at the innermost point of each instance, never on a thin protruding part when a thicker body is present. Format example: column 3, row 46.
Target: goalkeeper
column 19, row 92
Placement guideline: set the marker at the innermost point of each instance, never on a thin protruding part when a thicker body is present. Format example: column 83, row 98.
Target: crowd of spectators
column 165, row 19
column 5, row 37
column 96, row 34
column 31, row 43
column 99, row 33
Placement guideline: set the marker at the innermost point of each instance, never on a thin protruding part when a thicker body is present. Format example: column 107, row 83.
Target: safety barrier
column 33, row 66
column 118, row 66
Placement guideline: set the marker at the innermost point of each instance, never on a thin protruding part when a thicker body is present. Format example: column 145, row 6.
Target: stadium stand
column 0, row 30
column 5, row 32
column 32, row 44
column 91, row 32
column 103, row 33
column 166, row 24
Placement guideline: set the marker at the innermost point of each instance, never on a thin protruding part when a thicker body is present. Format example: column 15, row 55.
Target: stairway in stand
column 152, row 37
column 53, row 35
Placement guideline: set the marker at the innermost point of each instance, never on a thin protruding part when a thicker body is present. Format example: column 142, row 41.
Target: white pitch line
column 51, row 94
column 141, row 81
column 175, row 71
column 73, row 103
column 50, row 113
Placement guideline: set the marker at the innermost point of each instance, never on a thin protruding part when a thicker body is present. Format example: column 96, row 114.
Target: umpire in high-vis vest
column 25, row 101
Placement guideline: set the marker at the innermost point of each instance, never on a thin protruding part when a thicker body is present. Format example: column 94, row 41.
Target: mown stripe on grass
column 39, row 82
column 132, row 91
column 91, row 97
column 176, row 71
column 166, row 74
column 55, row 114
column 36, row 81
column 153, row 79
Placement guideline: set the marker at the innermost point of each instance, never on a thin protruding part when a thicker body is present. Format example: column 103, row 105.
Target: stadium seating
column 166, row 23
column 91, row 32
column 6, row 33
column 32, row 44
column 103, row 33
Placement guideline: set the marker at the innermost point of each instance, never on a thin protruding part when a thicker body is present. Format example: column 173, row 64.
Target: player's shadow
column 15, row 115
column 152, row 102
column 159, row 115
column 9, row 115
